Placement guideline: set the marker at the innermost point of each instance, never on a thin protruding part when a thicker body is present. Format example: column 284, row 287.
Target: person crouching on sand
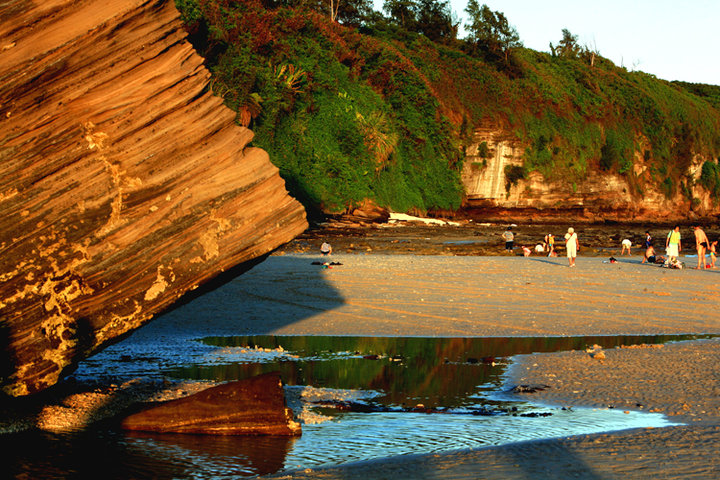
column 571, row 246
column 325, row 248
column 626, row 246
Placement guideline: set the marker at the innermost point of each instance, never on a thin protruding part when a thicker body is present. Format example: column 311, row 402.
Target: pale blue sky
column 671, row 39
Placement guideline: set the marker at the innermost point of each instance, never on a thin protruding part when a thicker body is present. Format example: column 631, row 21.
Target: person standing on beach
column 571, row 245
column 701, row 244
column 673, row 244
column 551, row 244
column 648, row 240
column 509, row 239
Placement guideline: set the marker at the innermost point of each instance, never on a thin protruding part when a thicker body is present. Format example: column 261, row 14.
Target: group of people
column 572, row 244
column 673, row 247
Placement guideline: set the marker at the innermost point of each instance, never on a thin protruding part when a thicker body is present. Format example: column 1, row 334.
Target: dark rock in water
column 536, row 414
column 255, row 406
column 124, row 183
column 528, row 388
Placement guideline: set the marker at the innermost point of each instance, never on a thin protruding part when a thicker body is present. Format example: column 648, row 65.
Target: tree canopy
column 431, row 18
column 490, row 32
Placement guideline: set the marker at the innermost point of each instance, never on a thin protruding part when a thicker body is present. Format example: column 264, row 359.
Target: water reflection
column 437, row 372
column 454, row 375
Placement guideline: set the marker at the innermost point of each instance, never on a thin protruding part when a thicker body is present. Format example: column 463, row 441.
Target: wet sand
column 499, row 296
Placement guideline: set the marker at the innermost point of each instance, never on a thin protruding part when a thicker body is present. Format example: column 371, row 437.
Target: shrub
column 513, row 174
column 710, row 177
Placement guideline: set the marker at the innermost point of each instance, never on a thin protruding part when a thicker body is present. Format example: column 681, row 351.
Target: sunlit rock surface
column 597, row 197
column 254, row 406
column 124, row 184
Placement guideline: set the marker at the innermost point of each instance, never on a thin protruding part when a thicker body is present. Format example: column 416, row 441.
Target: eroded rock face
column 598, row 197
column 124, row 184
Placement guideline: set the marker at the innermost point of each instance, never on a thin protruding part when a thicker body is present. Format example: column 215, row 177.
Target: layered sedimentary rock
column 124, row 183
column 597, row 197
column 254, row 406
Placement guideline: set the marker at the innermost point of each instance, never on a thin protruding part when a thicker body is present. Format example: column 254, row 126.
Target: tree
column 347, row 12
column 431, row 18
column 568, row 47
column 434, row 20
column 490, row 31
column 402, row 13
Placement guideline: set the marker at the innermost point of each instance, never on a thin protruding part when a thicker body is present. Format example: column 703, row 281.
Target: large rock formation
column 124, row 183
column 599, row 196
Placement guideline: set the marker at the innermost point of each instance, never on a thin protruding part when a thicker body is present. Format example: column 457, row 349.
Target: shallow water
column 457, row 380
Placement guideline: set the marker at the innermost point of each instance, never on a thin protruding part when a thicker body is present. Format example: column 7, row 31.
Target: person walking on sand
column 509, row 239
column 701, row 244
column 571, row 245
column 673, row 244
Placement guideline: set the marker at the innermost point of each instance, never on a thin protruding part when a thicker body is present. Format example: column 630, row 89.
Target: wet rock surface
column 465, row 237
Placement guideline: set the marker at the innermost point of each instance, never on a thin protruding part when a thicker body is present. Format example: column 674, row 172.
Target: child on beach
column 713, row 253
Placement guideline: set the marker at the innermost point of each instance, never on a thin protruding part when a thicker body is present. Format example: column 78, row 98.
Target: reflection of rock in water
column 241, row 456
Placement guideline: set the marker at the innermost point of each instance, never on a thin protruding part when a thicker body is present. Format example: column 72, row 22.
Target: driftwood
column 124, row 183
column 255, row 406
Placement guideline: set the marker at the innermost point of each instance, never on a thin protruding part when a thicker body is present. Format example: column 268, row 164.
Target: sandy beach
column 477, row 296
column 501, row 296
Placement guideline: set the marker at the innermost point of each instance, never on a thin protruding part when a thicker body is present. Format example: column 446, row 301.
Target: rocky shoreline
column 467, row 237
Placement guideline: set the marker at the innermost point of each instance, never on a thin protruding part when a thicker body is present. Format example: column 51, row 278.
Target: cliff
column 124, row 183
column 383, row 113
column 597, row 197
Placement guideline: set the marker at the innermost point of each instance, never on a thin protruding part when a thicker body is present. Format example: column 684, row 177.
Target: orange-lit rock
column 254, row 406
column 124, row 184
column 597, row 197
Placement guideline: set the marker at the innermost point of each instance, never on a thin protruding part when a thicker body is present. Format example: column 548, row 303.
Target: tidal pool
column 361, row 398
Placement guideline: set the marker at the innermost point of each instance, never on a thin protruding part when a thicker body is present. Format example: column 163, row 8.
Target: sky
column 671, row 39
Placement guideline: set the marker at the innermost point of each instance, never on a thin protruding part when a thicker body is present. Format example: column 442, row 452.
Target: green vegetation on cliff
column 381, row 107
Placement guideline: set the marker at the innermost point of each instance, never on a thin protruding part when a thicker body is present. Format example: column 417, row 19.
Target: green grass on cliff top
column 386, row 114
